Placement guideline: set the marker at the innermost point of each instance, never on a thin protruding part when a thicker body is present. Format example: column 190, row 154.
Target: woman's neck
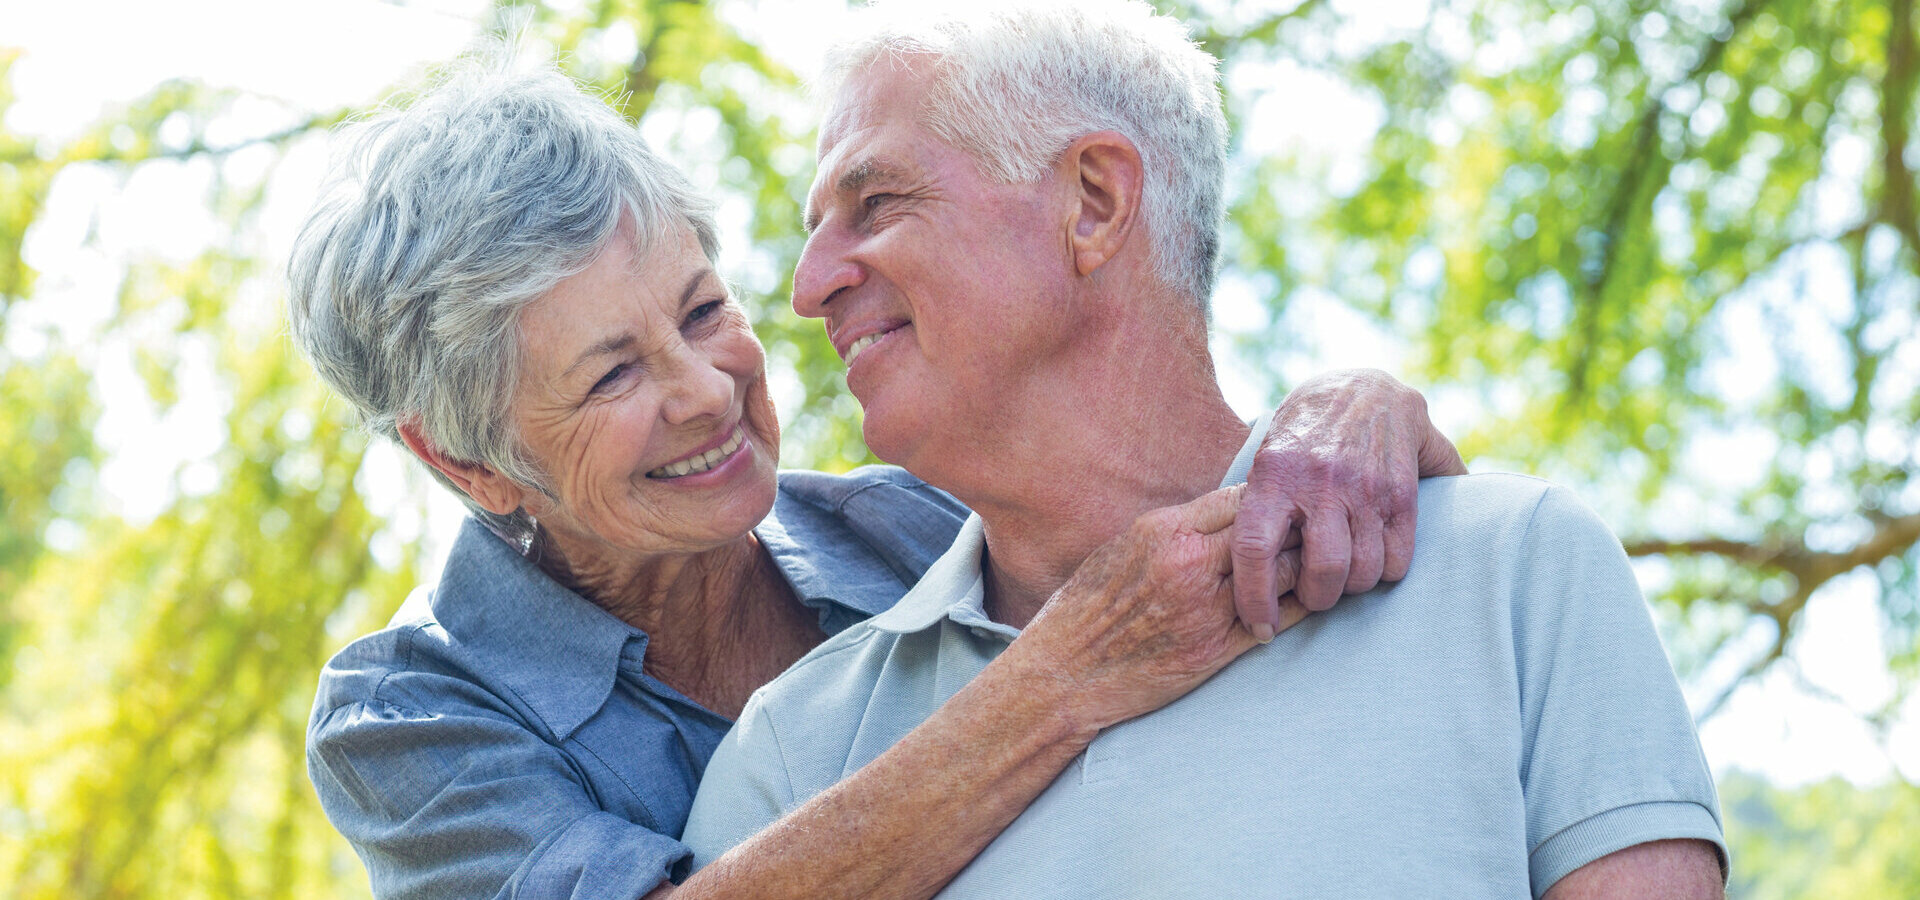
column 720, row 623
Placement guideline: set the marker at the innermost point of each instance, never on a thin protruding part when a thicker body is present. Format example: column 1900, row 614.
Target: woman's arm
column 466, row 800
column 1099, row 653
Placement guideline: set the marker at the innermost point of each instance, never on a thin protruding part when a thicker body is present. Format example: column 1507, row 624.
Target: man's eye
column 608, row 380
column 872, row 202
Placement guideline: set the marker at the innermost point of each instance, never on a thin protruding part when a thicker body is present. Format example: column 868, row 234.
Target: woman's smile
column 712, row 459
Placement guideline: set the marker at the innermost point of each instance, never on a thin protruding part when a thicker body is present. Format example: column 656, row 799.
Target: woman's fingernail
column 1262, row 632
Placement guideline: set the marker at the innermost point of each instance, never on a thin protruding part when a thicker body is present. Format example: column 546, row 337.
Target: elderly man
column 1013, row 234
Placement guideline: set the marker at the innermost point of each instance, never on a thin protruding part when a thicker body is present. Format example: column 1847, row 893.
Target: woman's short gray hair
column 1014, row 83
column 440, row 223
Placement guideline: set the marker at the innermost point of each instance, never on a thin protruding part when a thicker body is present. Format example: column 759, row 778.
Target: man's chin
column 888, row 436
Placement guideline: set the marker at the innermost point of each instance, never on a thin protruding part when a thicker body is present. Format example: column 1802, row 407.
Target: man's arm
column 1660, row 870
column 1612, row 772
column 1339, row 469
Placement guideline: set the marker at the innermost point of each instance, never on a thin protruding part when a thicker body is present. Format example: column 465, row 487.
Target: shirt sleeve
column 746, row 788
column 1610, row 758
column 472, row 804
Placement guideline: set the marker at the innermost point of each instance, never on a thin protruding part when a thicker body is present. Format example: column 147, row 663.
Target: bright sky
column 302, row 55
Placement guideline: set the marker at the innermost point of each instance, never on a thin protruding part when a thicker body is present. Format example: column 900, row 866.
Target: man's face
column 944, row 290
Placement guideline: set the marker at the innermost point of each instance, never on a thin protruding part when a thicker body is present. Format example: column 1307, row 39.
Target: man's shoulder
column 1487, row 507
column 840, row 670
column 1489, row 495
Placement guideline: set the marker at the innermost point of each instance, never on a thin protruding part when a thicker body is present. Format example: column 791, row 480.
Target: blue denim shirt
column 500, row 738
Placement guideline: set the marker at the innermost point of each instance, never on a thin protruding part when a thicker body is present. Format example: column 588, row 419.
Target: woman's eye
column 606, row 381
column 703, row 311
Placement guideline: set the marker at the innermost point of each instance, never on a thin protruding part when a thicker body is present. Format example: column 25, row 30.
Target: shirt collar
column 1243, row 461
column 555, row 649
column 954, row 587
column 949, row 582
column 826, row 577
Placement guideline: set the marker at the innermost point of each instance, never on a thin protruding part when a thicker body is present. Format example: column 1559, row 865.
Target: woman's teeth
column 704, row 461
column 860, row 346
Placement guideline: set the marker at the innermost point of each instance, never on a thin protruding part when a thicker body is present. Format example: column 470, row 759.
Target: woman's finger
column 1369, row 552
column 1327, row 554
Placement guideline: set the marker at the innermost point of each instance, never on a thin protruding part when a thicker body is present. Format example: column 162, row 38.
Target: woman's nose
column 700, row 388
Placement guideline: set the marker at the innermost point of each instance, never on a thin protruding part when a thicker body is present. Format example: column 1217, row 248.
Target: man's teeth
column 861, row 345
column 704, row 461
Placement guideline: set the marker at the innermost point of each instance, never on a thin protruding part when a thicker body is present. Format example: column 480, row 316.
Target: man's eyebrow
column 624, row 340
column 856, row 178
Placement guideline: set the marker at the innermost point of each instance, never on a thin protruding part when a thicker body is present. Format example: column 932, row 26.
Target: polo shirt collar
column 948, row 582
column 1243, row 461
column 555, row 649
column 954, row 587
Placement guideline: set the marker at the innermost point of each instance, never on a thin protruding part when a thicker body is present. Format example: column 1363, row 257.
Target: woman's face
column 643, row 396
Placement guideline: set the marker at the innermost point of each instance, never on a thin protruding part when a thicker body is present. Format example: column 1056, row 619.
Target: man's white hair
column 1014, row 83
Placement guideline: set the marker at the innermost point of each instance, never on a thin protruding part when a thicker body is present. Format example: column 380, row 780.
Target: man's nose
column 825, row 268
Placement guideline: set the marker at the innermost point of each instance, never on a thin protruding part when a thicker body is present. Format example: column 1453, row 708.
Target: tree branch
column 1892, row 535
column 1775, row 651
column 193, row 149
column 1896, row 105
column 1633, row 171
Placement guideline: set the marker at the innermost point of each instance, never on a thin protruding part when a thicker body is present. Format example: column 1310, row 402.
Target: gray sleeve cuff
column 1617, row 829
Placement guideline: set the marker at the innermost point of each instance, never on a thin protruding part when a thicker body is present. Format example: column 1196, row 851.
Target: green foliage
column 1627, row 233
column 207, row 626
column 1639, row 237
column 1826, row 840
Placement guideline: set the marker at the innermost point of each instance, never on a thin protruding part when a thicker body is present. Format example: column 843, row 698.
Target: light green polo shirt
column 1499, row 718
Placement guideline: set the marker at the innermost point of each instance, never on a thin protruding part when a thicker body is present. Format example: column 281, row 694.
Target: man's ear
column 495, row 492
column 1104, row 172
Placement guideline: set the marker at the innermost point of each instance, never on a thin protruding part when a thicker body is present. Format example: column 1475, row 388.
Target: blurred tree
column 1664, row 250
column 158, row 674
column 1667, row 250
column 1826, row 840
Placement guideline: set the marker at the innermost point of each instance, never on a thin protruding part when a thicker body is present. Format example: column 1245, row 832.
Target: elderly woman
column 505, row 280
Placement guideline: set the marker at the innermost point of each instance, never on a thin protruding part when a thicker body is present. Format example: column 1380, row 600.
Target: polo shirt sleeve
column 1610, row 758
column 746, row 787
column 469, row 803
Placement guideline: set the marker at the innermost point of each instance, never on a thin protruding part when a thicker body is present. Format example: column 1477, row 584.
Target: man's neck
column 1138, row 423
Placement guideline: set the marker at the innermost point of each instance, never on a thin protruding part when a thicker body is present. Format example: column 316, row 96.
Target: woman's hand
column 1339, row 472
column 1146, row 618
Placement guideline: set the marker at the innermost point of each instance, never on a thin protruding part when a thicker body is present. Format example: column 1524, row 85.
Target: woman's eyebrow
column 625, row 340
column 606, row 347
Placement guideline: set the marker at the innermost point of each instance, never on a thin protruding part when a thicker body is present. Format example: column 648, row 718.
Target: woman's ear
column 1104, row 172
column 495, row 492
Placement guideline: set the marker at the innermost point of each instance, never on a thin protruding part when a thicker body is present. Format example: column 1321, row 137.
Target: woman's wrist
column 1040, row 692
